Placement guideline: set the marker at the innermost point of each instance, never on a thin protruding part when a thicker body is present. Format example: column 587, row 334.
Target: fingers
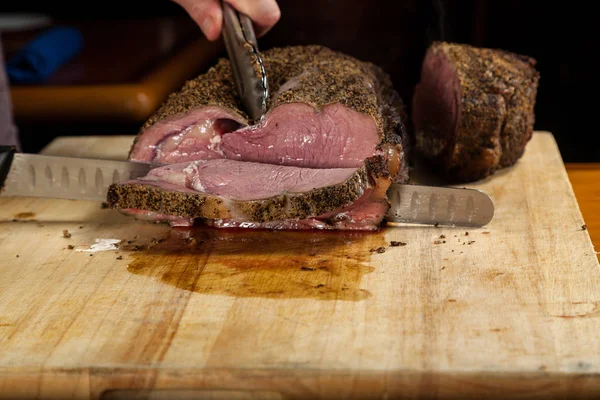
column 264, row 13
column 207, row 14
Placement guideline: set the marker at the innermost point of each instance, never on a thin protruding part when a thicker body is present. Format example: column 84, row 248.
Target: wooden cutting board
column 509, row 309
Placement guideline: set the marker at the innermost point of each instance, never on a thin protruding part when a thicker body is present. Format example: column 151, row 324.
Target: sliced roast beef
column 246, row 194
column 326, row 110
column 473, row 109
column 328, row 114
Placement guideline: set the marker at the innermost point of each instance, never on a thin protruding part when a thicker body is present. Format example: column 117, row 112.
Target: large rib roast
column 323, row 156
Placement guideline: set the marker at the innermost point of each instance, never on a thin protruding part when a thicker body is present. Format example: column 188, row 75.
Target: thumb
column 208, row 14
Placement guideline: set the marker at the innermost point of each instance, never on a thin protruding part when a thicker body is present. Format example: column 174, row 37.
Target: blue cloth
column 42, row 56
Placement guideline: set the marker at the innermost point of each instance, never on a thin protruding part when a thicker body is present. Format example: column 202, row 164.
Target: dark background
column 395, row 35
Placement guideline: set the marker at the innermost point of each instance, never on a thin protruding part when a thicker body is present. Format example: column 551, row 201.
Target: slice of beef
column 366, row 213
column 246, row 194
column 473, row 109
column 326, row 110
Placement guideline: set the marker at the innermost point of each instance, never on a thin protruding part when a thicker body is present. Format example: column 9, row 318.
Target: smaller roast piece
column 473, row 109
column 230, row 193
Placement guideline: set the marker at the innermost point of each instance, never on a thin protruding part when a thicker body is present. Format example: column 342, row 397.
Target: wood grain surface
column 511, row 309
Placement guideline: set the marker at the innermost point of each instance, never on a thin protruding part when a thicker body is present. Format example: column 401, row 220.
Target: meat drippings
column 259, row 263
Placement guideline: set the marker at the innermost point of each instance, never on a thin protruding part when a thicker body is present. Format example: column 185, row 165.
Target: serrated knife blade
column 71, row 178
column 431, row 205
column 33, row 175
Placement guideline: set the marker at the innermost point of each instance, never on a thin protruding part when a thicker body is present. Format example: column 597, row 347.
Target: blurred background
column 135, row 53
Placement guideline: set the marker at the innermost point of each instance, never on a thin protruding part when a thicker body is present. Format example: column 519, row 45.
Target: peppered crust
column 322, row 76
column 498, row 94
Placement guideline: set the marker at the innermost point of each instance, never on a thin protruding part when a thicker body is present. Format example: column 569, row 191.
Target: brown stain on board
column 260, row 263
column 24, row 215
column 594, row 312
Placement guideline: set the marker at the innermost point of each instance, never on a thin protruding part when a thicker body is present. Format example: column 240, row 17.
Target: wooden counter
column 585, row 178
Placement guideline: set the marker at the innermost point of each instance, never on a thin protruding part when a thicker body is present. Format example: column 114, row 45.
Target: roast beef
column 473, row 109
column 326, row 111
column 246, row 194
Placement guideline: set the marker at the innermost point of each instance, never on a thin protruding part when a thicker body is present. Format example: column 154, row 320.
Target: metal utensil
column 433, row 205
column 63, row 177
column 247, row 65
column 88, row 179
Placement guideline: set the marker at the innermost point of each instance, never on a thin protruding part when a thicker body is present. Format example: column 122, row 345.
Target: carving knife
column 247, row 65
column 33, row 175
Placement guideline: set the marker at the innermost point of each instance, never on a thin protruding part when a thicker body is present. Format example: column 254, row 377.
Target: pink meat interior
column 436, row 103
column 194, row 136
column 244, row 180
column 291, row 134
column 294, row 149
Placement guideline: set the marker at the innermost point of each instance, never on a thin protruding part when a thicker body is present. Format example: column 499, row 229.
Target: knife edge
column 67, row 177
column 88, row 179
column 433, row 205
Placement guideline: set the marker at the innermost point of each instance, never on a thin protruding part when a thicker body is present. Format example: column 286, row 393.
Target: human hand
column 208, row 14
